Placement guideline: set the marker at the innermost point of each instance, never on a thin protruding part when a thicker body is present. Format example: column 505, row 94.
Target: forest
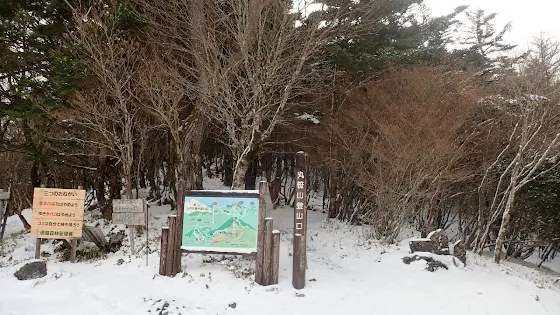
column 409, row 120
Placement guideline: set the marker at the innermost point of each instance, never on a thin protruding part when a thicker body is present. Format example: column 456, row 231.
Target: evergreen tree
column 37, row 71
column 484, row 43
column 385, row 32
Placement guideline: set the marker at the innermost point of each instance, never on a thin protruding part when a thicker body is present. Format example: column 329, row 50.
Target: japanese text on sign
column 300, row 201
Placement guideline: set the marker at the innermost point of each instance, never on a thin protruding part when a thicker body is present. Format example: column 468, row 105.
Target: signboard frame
column 57, row 213
column 251, row 196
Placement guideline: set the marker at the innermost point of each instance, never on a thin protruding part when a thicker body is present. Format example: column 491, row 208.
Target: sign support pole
column 4, row 210
column 38, row 240
column 147, row 228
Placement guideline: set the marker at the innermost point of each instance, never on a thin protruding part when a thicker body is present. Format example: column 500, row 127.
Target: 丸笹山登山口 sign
column 57, row 213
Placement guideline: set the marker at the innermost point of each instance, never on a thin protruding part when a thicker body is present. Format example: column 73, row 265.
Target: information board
column 129, row 211
column 221, row 221
column 4, row 195
column 57, row 213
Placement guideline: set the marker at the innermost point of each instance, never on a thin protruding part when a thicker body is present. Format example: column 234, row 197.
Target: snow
column 429, row 236
column 305, row 116
column 348, row 274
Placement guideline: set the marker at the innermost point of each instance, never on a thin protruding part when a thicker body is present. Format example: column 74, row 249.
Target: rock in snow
column 32, row 270
column 436, row 243
column 460, row 251
column 441, row 242
column 421, row 245
column 433, row 264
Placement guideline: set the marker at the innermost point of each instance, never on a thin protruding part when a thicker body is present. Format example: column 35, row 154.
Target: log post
column 267, row 264
column 300, row 220
column 298, row 275
column 178, row 253
column 163, row 250
column 178, row 228
column 259, row 274
column 4, row 211
column 170, row 256
column 275, row 257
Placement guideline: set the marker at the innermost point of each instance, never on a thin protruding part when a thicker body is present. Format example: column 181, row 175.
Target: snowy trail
column 347, row 275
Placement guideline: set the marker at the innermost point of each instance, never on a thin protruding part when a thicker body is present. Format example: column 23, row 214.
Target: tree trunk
column 504, row 227
column 129, row 184
column 228, row 170
column 199, row 176
column 99, row 184
column 35, row 180
column 333, row 209
column 251, row 175
column 239, row 174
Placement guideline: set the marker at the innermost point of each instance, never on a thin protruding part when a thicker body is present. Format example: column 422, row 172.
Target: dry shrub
column 400, row 137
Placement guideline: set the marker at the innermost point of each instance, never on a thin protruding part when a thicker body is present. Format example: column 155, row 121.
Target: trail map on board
column 221, row 224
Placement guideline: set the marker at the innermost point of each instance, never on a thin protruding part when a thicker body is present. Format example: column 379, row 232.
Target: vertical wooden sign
column 300, row 222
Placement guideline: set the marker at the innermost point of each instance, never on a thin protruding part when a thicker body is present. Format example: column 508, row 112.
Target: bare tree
column 532, row 149
column 165, row 98
column 243, row 62
column 106, row 102
column 543, row 64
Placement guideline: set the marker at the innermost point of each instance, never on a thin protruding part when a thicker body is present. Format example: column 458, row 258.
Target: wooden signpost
column 300, row 223
column 57, row 214
column 132, row 212
column 4, row 200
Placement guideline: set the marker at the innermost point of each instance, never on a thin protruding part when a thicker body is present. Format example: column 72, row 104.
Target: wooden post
column 298, row 275
column 147, row 229
column 275, row 257
column 73, row 248
column 74, row 242
column 267, row 253
column 38, row 240
column 131, row 236
column 163, row 250
column 4, row 211
column 259, row 274
column 179, row 253
column 38, row 248
column 300, row 221
column 170, row 256
column 178, row 232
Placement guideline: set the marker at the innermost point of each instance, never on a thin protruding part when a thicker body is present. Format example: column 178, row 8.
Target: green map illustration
column 223, row 224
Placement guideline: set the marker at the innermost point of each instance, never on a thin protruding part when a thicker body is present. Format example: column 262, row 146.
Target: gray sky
column 528, row 17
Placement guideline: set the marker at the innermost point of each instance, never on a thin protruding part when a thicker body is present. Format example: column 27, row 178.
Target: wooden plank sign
column 129, row 211
column 4, row 195
column 57, row 213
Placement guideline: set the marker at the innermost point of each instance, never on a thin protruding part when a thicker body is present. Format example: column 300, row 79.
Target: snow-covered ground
column 348, row 274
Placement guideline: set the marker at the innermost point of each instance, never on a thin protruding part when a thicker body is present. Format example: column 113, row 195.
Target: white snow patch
column 348, row 274
column 312, row 118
